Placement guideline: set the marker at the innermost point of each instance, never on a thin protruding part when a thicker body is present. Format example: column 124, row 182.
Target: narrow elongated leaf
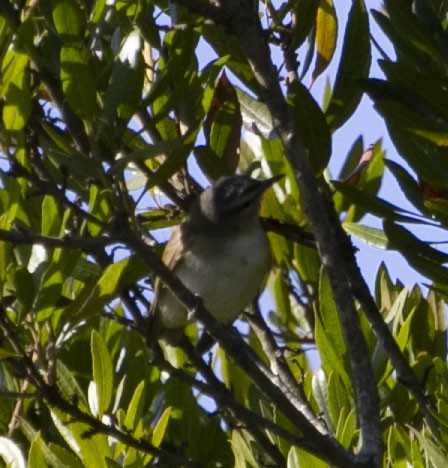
column 419, row 254
column 256, row 115
column 410, row 36
column 320, row 393
column 103, row 373
column 92, row 450
column 407, row 183
column 354, row 66
column 117, row 276
column 306, row 11
column 159, row 430
column 375, row 205
column 371, row 236
column 326, row 36
column 298, row 457
column 124, row 91
column 78, row 82
column 36, row 457
column 150, row 151
column 408, row 242
column 312, row 126
column 415, row 82
column 222, row 126
column 69, row 386
column 338, row 399
column 135, row 408
column 329, row 336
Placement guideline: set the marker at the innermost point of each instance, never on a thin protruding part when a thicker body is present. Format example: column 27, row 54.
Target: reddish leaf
column 222, row 126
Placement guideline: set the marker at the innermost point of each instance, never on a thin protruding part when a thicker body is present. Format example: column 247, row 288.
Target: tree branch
column 333, row 244
column 53, row 397
column 317, row 443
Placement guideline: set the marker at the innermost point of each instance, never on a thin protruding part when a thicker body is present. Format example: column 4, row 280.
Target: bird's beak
column 271, row 181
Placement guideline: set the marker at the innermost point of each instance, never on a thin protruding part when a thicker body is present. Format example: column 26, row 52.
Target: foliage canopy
column 110, row 114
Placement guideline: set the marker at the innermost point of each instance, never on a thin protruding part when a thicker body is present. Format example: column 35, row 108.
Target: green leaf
column 66, row 458
column 346, row 428
column 67, row 19
column 410, row 37
column 352, row 159
column 354, row 66
column 135, row 408
column 222, row 126
column 5, row 354
column 320, row 394
column 375, row 205
column 78, row 81
column 434, row 451
column 312, row 126
column 305, row 11
column 161, row 148
column 36, row 458
column 371, row 236
column 244, row 456
column 226, row 44
column 160, row 429
column 407, row 183
column 413, row 83
column 419, row 254
column 329, row 337
column 17, row 107
column 93, row 450
column 326, row 36
column 69, row 386
column 338, row 399
column 299, row 457
column 15, row 78
column 103, row 372
column 255, row 113
column 123, row 95
column 210, row 163
column 114, row 279
column 51, row 220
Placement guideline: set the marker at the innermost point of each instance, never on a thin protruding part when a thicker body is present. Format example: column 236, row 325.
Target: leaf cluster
column 110, row 118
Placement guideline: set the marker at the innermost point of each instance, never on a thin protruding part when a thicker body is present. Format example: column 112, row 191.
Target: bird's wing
column 171, row 257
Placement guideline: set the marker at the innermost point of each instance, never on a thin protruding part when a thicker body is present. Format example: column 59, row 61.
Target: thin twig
column 52, row 395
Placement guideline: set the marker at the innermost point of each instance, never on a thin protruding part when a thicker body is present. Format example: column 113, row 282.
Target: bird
column 220, row 252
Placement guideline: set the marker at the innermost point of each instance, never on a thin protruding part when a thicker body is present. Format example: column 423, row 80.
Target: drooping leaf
column 312, row 126
column 305, row 11
column 78, row 81
column 103, row 373
column 222, row 126
column 375, row 205
column 354, row 66
column 427, row 260
column 326, row 36
column 329, row 336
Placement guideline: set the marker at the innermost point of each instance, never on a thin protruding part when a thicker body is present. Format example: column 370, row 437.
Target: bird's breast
column 227, row 273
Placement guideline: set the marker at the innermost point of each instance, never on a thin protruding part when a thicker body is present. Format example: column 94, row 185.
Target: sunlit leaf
column 326, row 35
column 103, row 373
